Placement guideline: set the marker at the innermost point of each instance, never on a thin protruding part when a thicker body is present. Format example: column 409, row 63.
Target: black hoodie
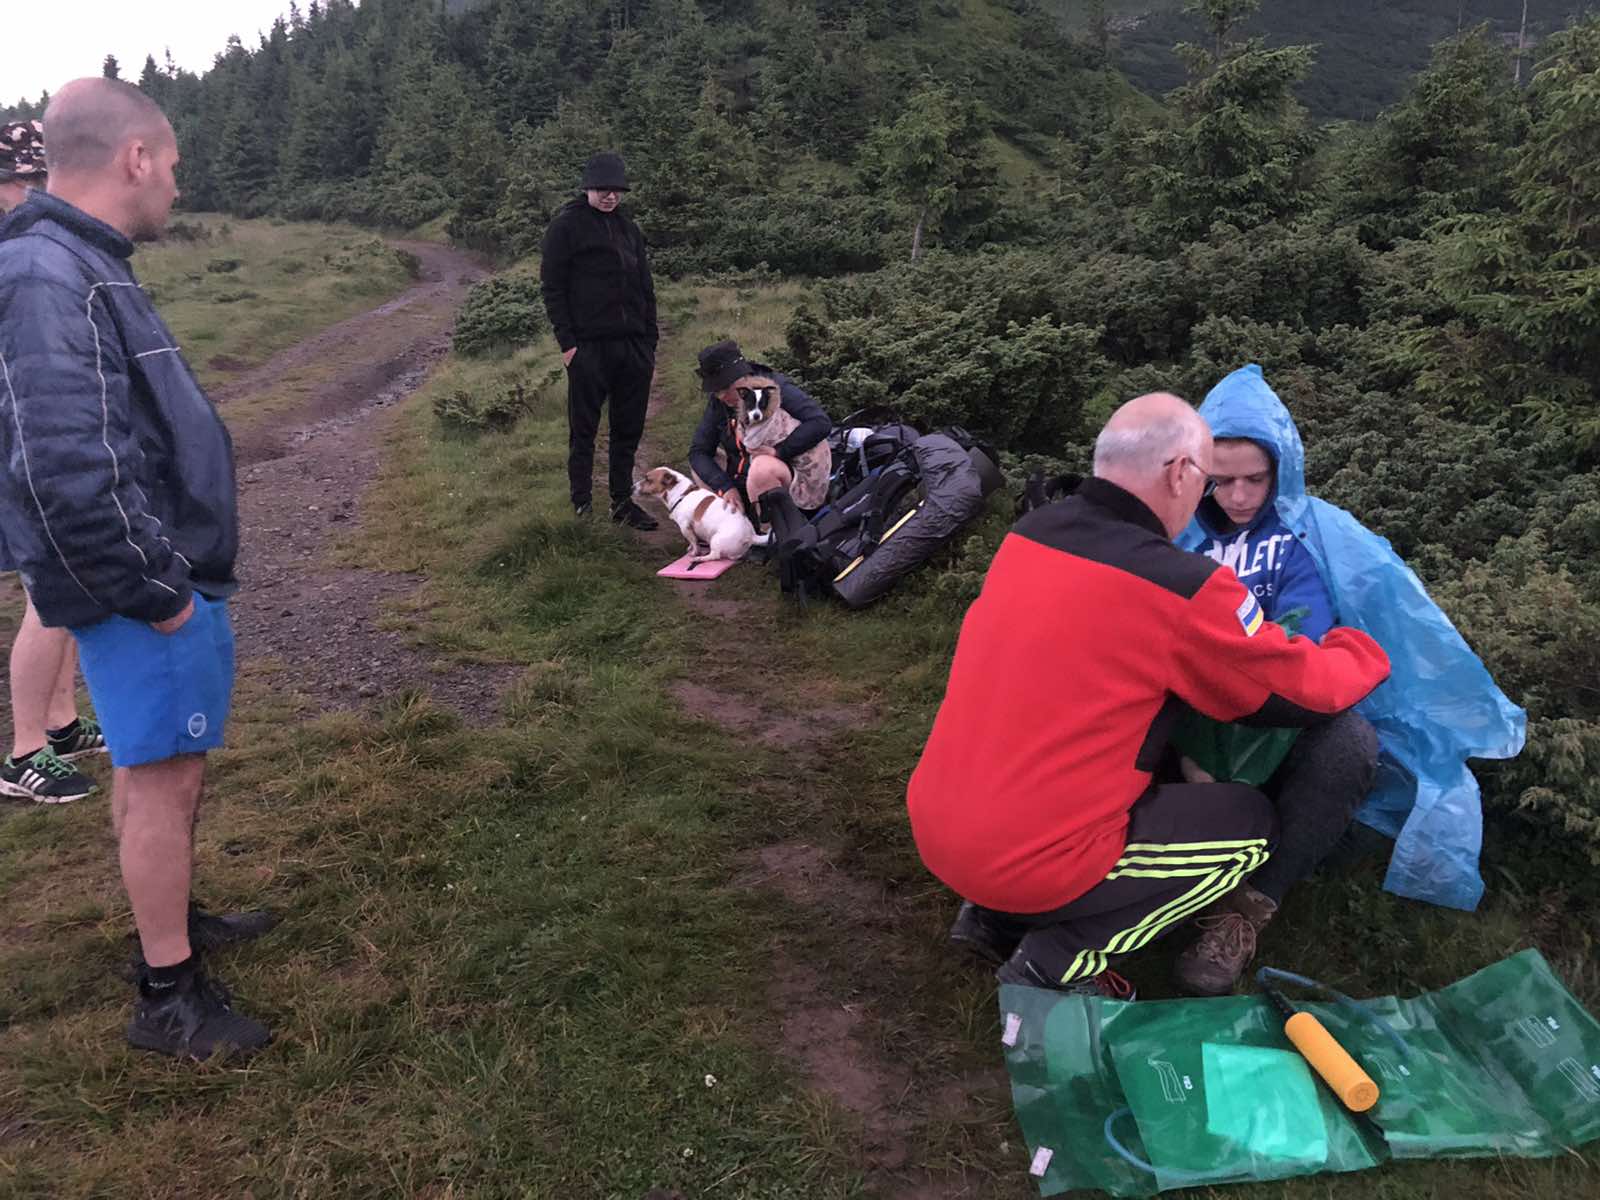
column 595, row 277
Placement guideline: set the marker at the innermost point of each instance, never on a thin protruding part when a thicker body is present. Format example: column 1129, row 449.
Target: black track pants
column 617, row 371
column 1324, row 779
column 1188, row 845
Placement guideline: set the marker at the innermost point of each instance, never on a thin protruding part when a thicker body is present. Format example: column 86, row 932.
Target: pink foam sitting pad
column 682, row 568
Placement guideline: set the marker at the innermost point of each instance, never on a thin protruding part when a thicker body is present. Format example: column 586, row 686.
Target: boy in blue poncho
column 1439, row 707
column 1330, row 767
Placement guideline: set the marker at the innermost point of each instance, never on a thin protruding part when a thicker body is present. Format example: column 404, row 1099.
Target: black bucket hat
column 604, row 173
column 721, row 366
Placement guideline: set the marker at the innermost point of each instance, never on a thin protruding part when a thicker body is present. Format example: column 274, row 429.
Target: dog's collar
column 687, row 492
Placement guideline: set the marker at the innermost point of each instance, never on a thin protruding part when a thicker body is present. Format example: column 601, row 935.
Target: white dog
column 701, row 514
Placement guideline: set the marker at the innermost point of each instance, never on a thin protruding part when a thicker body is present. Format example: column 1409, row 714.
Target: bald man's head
column 112, row 154
column 90, row 121
column 1147, row 431
column 1158, row 448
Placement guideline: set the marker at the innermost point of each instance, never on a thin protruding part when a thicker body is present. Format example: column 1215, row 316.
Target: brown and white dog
column 763, row 423
column 700, row 513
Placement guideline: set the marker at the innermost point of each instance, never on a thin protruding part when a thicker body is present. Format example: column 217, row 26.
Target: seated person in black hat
column 717, row 453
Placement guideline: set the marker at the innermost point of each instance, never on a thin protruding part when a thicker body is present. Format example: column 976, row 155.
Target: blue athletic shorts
column 158, row 695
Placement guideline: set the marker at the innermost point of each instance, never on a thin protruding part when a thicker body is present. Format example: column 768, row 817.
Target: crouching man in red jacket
column 1035, row 798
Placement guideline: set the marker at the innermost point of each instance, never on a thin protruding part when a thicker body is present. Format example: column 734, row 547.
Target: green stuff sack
column 1135, row 1099
column 1237, row 753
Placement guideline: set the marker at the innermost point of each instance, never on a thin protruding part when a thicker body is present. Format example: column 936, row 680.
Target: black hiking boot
column 192, row 1017
column 983, row 934
column 626, row 512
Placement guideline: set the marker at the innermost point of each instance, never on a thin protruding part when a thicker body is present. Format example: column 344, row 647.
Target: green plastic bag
column 1135, row 1099
column 1237, row 753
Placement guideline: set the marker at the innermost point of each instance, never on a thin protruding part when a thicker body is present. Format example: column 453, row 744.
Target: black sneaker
column 44, row 778
column 207, row 932
column 1107, row 985
column 81, row 738
column 210, row 931
column 626, row 512
column 192, row 1018
column 979, row 932
column 582, row 508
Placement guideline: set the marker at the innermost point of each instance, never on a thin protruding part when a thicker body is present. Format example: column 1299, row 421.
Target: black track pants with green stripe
column 1188, row 845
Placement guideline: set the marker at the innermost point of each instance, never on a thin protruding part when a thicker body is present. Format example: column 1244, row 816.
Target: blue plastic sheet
column 1439, row 706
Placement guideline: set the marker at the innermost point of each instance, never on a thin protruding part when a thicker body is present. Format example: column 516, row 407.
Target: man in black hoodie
column 602, row 306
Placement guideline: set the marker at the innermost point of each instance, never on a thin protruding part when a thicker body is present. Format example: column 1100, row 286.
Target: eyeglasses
column 1211, row 484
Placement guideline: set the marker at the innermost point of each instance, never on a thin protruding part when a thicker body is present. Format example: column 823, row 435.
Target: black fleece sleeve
column 649, row 286
column 555, row 274
column 703, row 448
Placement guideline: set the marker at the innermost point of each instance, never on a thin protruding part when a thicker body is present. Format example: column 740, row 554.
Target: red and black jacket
column 1090, row 627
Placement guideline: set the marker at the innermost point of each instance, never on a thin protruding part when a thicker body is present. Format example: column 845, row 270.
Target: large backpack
column 863, row 444
column 892, row 521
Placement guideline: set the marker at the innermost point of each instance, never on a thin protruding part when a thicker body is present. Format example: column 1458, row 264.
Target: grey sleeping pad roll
column 953, row 490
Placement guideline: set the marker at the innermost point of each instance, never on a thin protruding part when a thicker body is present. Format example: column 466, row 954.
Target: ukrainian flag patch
column 1250, row 615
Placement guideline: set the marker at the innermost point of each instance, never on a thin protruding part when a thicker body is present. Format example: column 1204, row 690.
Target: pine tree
column 1240, row 153
column 110, row 68
column 931, row 158
column 523, row 71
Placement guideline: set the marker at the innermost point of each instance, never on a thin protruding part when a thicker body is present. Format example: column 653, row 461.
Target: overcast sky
column 51, row 41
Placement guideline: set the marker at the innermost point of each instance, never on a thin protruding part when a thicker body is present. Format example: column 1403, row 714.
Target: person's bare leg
column 39, row 657
column 153, row 808
column 63, row 709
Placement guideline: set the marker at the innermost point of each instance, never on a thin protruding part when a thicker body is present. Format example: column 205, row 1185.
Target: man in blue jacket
column 119, row 505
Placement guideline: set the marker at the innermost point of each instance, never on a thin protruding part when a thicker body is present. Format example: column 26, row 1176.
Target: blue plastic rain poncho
column 1439, row 706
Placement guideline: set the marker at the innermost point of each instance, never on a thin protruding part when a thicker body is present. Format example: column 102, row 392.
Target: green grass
column 285, row 282
column 512, row 956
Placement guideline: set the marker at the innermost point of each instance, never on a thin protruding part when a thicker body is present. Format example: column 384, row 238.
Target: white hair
column 1140, row 451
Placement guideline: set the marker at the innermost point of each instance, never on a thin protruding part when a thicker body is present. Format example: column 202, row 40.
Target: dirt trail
column 826, row 1026
column 302, row 477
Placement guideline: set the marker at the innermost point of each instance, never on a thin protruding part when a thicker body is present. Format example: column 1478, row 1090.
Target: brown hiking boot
column 1226, row 944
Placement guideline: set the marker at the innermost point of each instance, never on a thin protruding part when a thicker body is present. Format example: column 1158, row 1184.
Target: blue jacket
column 1439, row 707
column 1271, row 562
column 117, row 492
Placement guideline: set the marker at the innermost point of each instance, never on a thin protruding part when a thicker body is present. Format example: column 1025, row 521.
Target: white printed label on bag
column 1041, row 1161
column 1013, row 1028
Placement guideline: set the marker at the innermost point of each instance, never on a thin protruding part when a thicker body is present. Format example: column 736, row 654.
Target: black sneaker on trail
column 626, row 512
column 83, row 737
column 192, row 1018
column 582, row 508
column 44, row 778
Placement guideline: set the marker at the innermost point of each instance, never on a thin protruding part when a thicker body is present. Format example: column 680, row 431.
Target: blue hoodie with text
column 1269, row 560
column 1439, row 706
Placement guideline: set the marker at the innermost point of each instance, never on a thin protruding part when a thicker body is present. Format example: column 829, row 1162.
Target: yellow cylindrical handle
column 1330, row 1060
